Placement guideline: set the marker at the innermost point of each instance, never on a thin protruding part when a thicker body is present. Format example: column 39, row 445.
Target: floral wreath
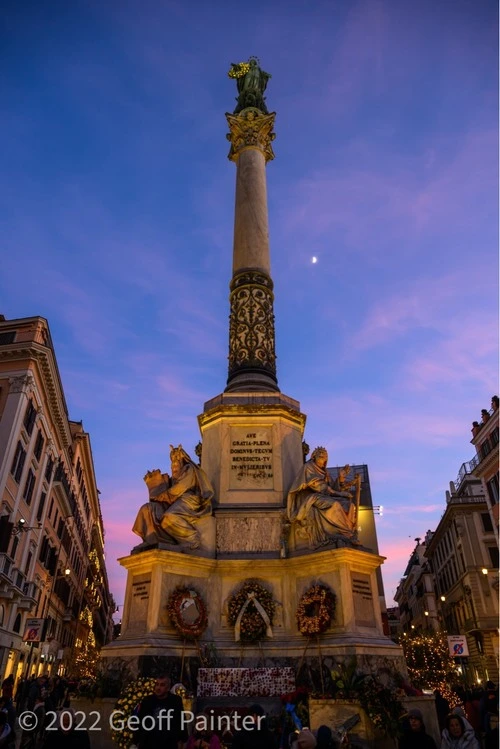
column 238, row 69
column 128, row 703
column 316, row 610
column 181, row 599
column 251, row 611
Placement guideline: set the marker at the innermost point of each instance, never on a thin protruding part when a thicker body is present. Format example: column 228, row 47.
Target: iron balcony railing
column 484, row 450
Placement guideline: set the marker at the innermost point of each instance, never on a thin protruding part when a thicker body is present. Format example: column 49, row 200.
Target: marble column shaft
column 252, row 359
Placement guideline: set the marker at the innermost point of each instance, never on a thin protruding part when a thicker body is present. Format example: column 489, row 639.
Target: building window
column 44, row 548
column 15, row 544
column 17, row 624
column 38, row 445
column 486, row 521
column 492, row 487
column 7, row 337
column 49, row 469
column 494, row 556
column 28, row 563
column 29, row 417
column 2, row 614
column 18, row 462
column 29, row 486
column 41, row 505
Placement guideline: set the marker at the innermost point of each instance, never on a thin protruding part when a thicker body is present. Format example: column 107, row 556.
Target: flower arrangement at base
column 187, row 612
column 127, row 704
column 316, row 610
column 382, row 706
column 251, row 612
column 238, row 69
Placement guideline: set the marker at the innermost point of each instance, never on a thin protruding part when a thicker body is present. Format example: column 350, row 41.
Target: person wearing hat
column 458, row 734
column 258, row 736
column 415, row 735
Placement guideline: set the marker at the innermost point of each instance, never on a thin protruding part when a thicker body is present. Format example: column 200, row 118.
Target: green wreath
column 188, row 622
column 244, row 615
column 316, row 610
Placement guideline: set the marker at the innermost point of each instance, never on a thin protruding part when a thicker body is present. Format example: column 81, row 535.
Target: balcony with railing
column 29, row 599
column 484, row 450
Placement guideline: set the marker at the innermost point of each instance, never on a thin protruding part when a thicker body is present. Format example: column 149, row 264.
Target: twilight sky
column 116, row 210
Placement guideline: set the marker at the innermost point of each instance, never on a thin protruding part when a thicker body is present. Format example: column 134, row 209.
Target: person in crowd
column 7, row 737
column 167, row 734
column 8, row 688
column 304, row 739
column 414, row 734
column 7, row 707
column 488, row 708
column 258, row 736
column 458, row 734
column 324, row 738
column 203, row 740
column 66, row 735
column 442, row 708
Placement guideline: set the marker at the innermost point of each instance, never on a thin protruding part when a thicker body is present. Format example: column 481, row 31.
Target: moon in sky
column 314, row 259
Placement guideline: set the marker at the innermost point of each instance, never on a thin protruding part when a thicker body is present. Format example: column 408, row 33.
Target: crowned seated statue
column 321, row 509
column 176, row 504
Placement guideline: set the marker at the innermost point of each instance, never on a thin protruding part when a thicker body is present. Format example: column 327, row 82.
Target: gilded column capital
column 251, row 129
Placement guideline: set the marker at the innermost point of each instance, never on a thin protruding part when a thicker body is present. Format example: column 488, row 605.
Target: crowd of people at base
column 476, row 728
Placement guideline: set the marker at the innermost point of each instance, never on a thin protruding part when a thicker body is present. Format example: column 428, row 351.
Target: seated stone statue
column 176, row 504
column 319, row 510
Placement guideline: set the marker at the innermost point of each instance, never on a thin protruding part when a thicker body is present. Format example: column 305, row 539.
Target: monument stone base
column 356, row 629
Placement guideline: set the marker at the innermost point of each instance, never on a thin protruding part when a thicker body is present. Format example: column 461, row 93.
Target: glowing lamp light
column 67, row 571
column 381, row 510
column 413, row 626
column 484, row 571
column 426, row 613
column 443, row 598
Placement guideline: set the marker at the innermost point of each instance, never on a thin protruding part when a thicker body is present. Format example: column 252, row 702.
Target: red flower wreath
column 316, row 610
column 175, row 606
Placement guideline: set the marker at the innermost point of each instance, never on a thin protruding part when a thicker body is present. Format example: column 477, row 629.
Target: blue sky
column 116, row 213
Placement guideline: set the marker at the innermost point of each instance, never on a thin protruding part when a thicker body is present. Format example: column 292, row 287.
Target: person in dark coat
column 166, row 732
column 324, row 738
column 415, row 736
column 66, row 734
column 256, row 737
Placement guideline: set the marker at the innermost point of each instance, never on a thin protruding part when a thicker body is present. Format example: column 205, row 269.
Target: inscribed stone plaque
column 139, row 603
column 251, row 458
column 363, row 600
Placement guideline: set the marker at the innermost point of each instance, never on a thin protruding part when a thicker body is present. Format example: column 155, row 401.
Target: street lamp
column 21, row 527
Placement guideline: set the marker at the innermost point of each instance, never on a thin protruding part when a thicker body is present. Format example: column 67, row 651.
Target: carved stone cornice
column 251, row 129
column 251, row 325
column 50, row 378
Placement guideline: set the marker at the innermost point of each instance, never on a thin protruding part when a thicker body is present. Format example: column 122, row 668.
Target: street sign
column 457, row 646
column 33, row 630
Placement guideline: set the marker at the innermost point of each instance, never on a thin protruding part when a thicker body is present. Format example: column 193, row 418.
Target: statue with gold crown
column 175, row 504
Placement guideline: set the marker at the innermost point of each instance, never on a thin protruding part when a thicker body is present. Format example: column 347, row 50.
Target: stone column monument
column 254, row 527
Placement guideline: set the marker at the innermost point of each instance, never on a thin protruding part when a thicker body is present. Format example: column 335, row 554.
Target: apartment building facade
column 451, row 581
column 52, row 566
